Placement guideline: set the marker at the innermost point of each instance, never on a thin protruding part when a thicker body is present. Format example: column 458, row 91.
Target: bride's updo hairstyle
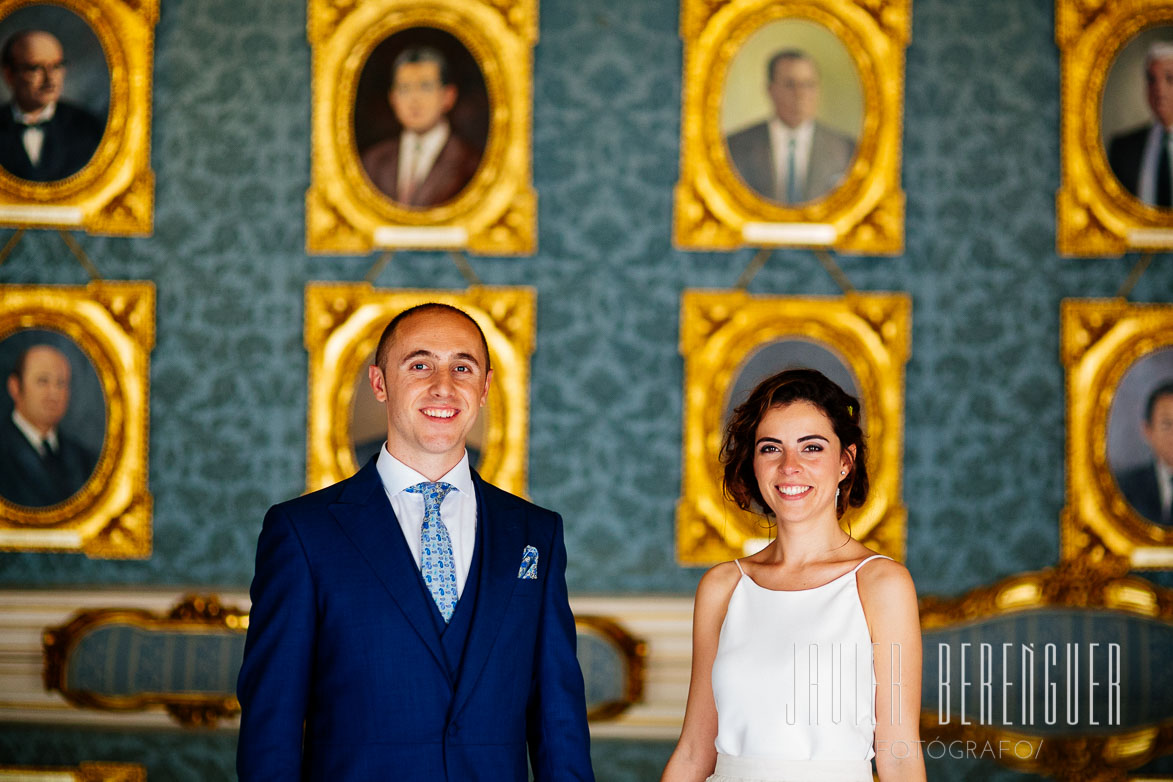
column 792, row 385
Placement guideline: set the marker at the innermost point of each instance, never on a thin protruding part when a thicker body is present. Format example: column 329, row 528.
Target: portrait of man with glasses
column 43, row 138
column 427, row 162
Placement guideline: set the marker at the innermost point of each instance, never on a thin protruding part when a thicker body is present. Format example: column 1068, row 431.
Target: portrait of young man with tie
column 427, row 162
column 792, row 157
column 1140, row 158
column 412, row 621
column 40, row 463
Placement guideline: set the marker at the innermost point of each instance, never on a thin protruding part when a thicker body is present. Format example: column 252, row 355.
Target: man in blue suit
column 412, row 622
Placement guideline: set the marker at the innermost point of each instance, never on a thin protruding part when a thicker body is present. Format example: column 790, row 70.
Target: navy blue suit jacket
column 342, row 639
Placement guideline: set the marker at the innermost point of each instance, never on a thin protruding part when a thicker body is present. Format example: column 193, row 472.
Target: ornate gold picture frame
column 343, row 323
column 725, row 337
column 1116, row 355
column 1100, row 211
column 357, row 201
column 85, row 772
column 854, row 45
column 99, row 179
column 103, row 331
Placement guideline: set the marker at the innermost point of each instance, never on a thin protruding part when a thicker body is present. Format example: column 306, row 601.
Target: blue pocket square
column 529, row 563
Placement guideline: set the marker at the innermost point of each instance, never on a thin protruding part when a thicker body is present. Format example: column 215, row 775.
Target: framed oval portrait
column 732, row 341
column 52, row 418
column 74, row 418
column 1118, row 357
column 792, row 111
column 421, row 117
column 1137, row 104
column 58, row 93
column 75, row 129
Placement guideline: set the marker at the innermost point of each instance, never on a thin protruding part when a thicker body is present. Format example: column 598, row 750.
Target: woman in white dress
column 785, row 641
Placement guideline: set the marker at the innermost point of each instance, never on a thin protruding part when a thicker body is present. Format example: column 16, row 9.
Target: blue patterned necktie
column 437, row 564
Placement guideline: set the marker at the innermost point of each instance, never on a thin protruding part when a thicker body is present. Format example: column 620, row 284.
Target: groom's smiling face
column 434, row 381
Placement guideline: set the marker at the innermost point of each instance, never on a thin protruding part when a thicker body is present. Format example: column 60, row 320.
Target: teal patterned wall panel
column 985, row 427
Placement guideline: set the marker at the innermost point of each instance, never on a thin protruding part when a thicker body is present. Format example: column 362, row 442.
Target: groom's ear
column 379, row 383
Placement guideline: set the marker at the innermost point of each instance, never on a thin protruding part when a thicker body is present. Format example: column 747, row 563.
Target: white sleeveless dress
column 794, row 684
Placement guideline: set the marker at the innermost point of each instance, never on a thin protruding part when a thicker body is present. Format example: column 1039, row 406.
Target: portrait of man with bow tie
column 41, row 462
column 412, row 621
column 428, row 158
column 43, row 137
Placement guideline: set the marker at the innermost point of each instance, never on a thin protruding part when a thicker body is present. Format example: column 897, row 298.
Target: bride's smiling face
column 798, row 461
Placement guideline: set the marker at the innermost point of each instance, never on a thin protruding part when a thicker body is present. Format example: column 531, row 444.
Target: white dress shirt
column 1147, row 186
column 33, row 137
column 781, row 135
column 418, row 153
column 1164, row 484
column 36, row 439
column 458, row 510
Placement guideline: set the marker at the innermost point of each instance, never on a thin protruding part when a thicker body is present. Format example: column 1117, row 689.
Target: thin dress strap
column 738, row 563
column 869, row 559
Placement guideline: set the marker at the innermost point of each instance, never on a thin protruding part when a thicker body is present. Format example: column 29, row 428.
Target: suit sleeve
column 274, row 681
column 559, row 740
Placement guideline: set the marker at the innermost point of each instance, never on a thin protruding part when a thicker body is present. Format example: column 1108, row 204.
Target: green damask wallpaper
column 984, row 460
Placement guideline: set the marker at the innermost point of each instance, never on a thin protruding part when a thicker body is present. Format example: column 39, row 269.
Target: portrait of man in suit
column 791, row 158
column 412, row 621
column 1140, row 157
column 426, row 162
column 1149, row 487
column 43, row 138
column 40, row 463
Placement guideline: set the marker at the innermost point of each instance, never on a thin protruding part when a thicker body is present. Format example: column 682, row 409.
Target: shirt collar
column 32, row 434
column 397, row 476
column 801, row 134
column 429, row 138
column 45, row 115
column 1164, row 476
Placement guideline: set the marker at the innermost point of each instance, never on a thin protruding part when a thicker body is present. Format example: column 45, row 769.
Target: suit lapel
column 816, row 173
column 365, row 515
column 504, row 541
column 438, row 176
